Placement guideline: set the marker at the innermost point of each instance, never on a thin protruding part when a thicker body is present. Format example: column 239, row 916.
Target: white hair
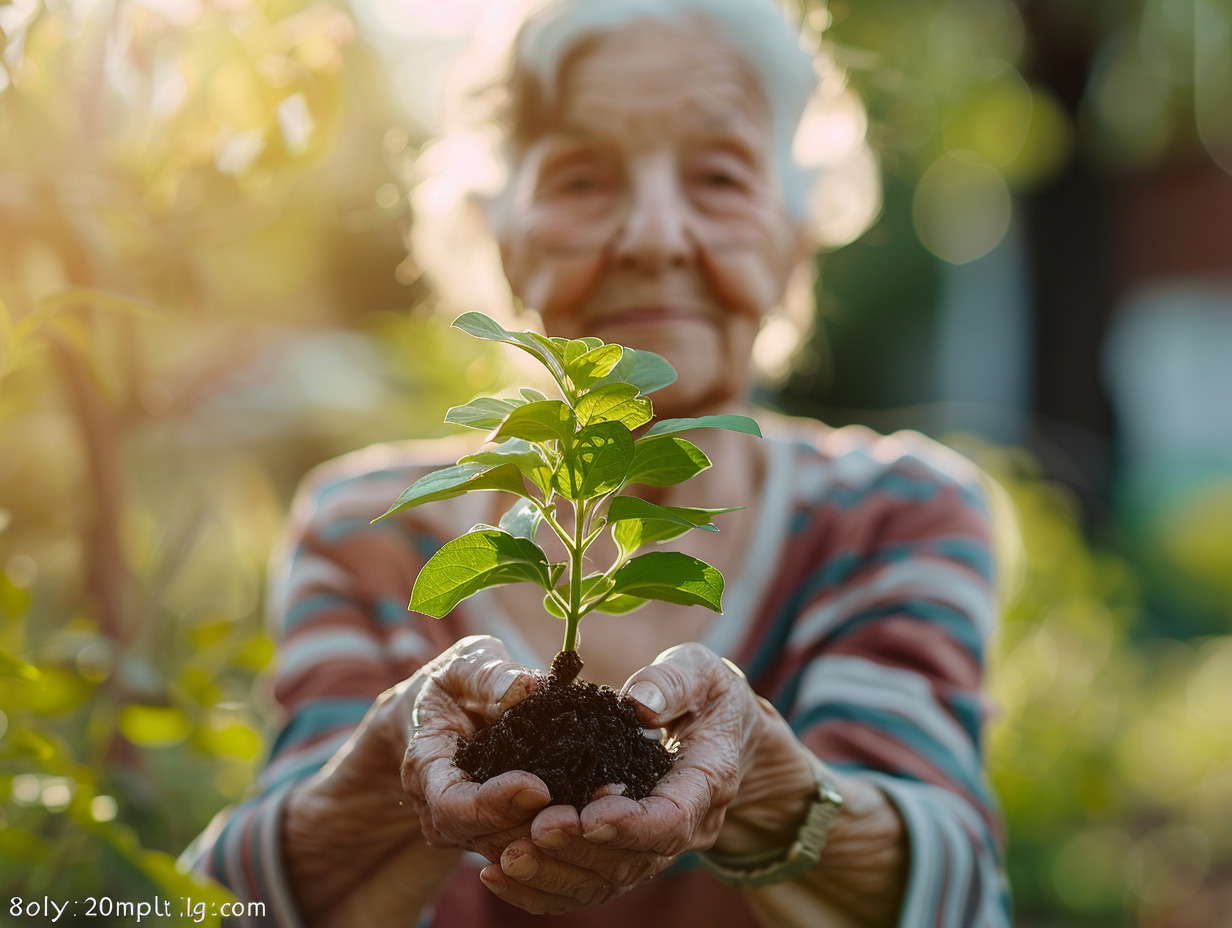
column 834, row 193
column 755, row 29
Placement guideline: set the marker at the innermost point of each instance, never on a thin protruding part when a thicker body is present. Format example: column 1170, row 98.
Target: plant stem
column 575, row 576
column 555, row 526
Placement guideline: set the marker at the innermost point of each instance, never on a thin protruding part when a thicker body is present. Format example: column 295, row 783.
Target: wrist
column 785, row 863
column 775, row 793
column 340, row 823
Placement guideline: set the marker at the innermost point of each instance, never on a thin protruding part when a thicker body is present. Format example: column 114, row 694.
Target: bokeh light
column 962, row 207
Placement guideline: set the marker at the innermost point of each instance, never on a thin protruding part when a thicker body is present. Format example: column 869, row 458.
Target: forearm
column 370, row 866
column 353, row 847
column 372, row 838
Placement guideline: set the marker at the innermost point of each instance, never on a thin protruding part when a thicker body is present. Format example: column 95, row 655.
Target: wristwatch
column 782, row 864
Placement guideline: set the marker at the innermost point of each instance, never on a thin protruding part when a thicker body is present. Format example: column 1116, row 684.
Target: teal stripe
column 256, row 857
column 372, row 476
column 312, row 604
column 955, row 622
column 892, row 484
column 317, row 717
column 341, row 528
column 975, row 554
column 829, row 574
column 901, row 730
column 684, row 863
column 968, row 712
column 218, row 857
column 392, row 611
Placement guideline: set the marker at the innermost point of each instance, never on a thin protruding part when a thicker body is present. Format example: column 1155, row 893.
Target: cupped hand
column 356, row 834
column 738, row 763
column 464, row 689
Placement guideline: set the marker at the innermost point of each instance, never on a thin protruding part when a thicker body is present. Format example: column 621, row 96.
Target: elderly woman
column 834, row 778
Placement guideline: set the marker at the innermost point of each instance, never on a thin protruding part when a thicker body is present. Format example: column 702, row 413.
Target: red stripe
column 341, row 678
column 844, row 741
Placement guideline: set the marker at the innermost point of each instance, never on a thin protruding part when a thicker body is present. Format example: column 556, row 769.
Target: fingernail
column 506, row 680
column 552, row 841
column 522, row 867
column 602, row 835
column 649, row 696
column 528, row 799
column 514, row 686
column 493, row 880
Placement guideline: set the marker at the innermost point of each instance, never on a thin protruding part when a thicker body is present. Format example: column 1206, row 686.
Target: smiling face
column 647, row 211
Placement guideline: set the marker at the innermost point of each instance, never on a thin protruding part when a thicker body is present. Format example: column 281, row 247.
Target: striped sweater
column 863, row 617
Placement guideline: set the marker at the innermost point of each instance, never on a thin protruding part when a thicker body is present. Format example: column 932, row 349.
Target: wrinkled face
column 648, row 211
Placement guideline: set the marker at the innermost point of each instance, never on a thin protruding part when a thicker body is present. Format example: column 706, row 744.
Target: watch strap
column 782, row 864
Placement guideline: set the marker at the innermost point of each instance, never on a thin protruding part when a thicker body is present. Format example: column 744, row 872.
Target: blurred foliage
column 967, row 77
column 204, row 292
column 1112, row 755
column 229, row 168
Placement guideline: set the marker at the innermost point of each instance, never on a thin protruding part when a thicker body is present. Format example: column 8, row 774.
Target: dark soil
column 573, row 735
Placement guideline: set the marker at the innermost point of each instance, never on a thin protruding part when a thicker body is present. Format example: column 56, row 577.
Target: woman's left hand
column 740, row 784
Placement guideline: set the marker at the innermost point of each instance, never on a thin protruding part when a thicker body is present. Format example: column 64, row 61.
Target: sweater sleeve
column 337, row 602
column 887, row 651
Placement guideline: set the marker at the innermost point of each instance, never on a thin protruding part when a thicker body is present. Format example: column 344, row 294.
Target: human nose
column 655, row 233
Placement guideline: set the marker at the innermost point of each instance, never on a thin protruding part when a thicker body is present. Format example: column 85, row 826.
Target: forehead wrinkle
column 694, row 74
column 695, row 115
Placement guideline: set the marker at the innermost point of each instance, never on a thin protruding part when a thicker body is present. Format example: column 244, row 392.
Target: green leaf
column 553, row 346
column 531, row 395
column 616, row 402
column 596, row 461
column 481, row 326
column 473, row 562
column 14, row 668
column 449, row 482
column 552, row 608
column 644, row 369
column 636, row 522
column 621, row 604
column 542, row 421
column 153, row 726
column 733, row 423
column 485, row 413
column 595, row 364
column 522, row 520
column 571, row 349
column 28, row 743
column 671, row 577
column 665, row 460
column 522, row 455
column 632, row 534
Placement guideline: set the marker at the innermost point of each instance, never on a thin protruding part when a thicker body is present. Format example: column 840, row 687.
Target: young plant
column 569, row 461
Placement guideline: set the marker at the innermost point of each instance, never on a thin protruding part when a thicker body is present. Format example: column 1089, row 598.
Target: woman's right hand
column 375, row 834
column 467, row 688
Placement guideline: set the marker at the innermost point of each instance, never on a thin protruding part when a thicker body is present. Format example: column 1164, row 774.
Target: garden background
column 205, row 291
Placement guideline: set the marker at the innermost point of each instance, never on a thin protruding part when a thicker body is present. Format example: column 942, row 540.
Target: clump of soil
column 573, row 735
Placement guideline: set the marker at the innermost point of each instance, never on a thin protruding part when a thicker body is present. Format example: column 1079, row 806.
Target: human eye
column 716, row 177
column 575, row 175
column 577, row 181
column 721, row 172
